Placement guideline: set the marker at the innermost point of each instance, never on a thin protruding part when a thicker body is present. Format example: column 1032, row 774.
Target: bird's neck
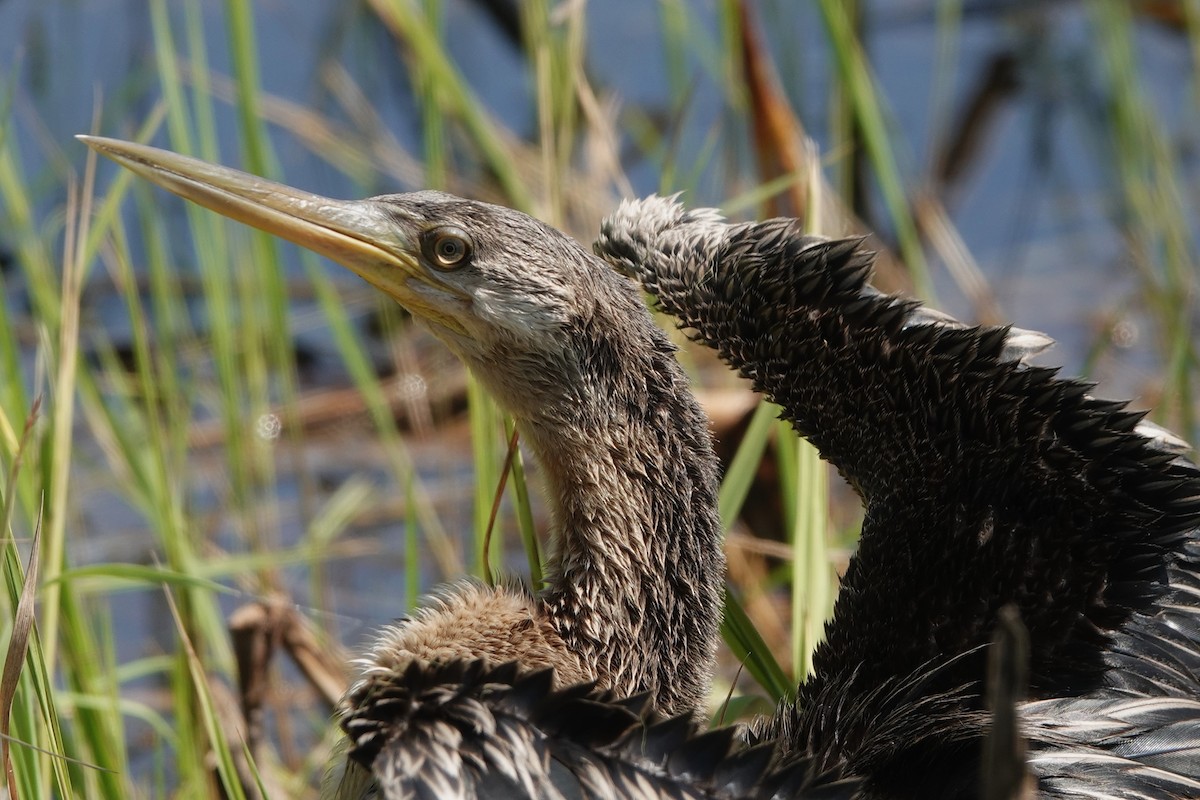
column 635, row 585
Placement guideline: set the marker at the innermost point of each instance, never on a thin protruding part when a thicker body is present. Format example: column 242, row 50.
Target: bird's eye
column 447, row 248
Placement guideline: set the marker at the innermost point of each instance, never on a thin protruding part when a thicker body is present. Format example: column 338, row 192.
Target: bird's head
column 510, row 295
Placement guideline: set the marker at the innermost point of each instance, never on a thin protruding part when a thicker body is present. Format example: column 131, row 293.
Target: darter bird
column 987, row 482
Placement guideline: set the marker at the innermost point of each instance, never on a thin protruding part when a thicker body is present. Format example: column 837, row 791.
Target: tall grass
column 212, row 318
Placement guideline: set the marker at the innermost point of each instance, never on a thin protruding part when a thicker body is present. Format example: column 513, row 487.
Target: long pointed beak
column 359, row 235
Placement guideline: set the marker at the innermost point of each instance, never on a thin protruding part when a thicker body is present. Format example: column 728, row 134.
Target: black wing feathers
column 987, row 482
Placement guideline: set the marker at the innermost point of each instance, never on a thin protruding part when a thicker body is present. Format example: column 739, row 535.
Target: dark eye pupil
column 450, row 249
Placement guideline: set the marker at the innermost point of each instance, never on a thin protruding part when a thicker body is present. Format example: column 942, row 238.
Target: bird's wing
column 987, row 481
column 1158, row 733
column 465, row 730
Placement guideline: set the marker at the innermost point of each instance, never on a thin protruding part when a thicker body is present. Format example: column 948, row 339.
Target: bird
column 988, row 482
column 566, row 345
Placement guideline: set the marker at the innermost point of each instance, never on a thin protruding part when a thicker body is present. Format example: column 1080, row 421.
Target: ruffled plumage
column 987, row 482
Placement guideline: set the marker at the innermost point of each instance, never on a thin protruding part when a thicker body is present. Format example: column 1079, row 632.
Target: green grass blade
column 749, row 648
column 855, row 77
column 742, row 468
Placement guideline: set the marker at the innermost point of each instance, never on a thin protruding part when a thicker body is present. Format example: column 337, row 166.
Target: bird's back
column 467, row 730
